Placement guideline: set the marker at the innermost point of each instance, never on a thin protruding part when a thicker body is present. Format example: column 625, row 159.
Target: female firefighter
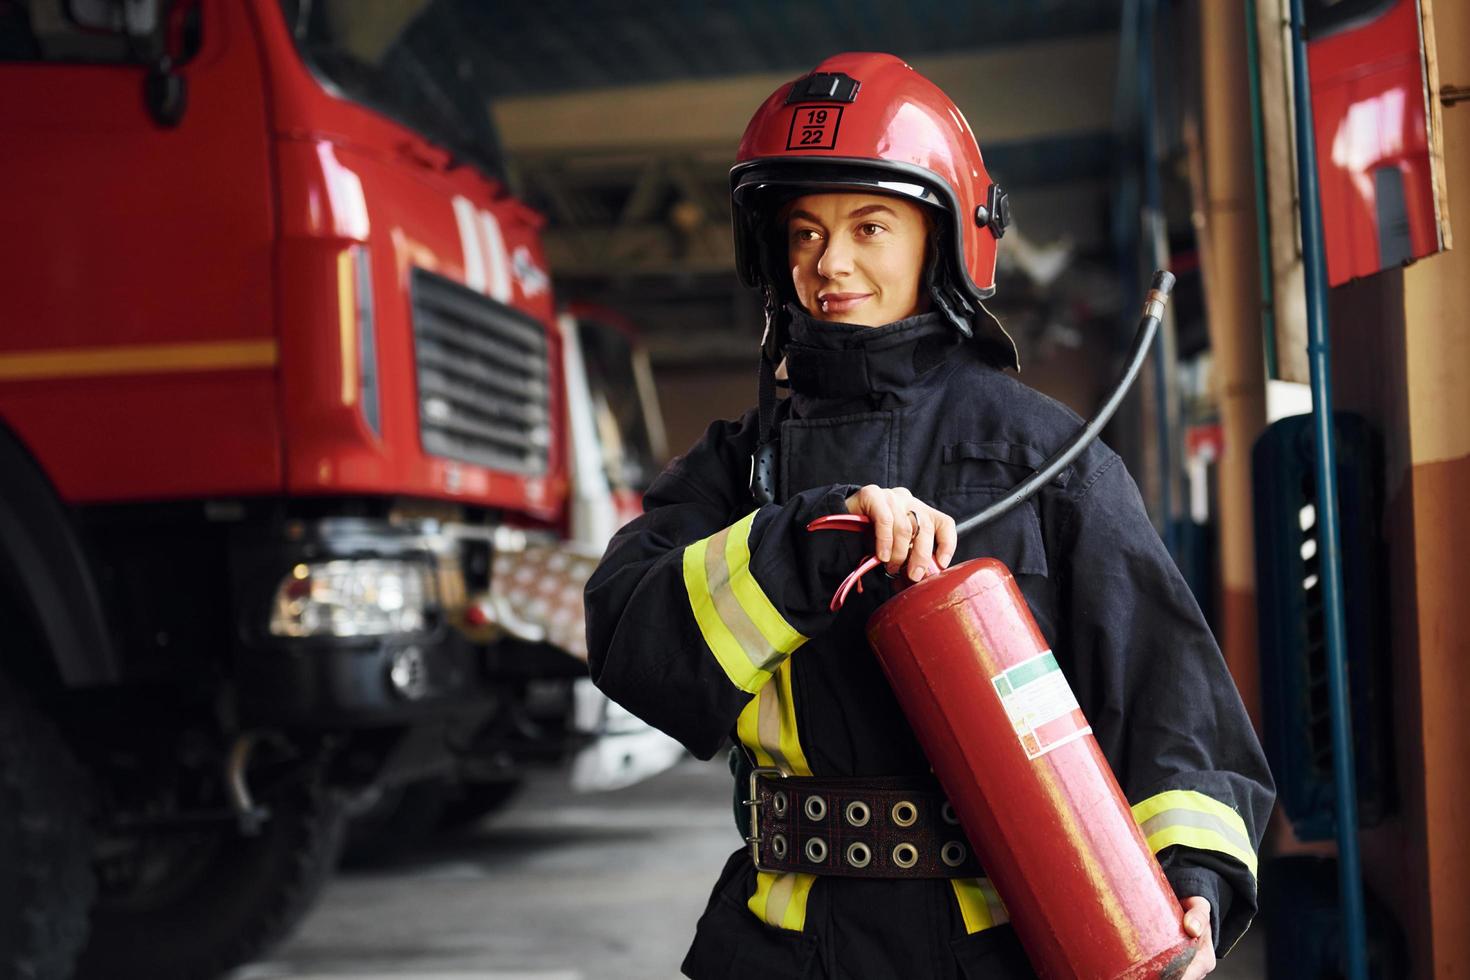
column 864, row 214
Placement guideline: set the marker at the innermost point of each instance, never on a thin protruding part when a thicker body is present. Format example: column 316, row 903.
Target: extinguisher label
column 1041, row 705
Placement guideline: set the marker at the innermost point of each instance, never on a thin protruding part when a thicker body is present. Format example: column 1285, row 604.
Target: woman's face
column 857, row 258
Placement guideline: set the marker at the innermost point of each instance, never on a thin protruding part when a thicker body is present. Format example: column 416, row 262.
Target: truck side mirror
column 145, row 23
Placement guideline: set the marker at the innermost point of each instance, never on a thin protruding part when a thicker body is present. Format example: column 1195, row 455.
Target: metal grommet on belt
column 778, row 802
column 947, row 814
column 816, row 850
column 953, row 853
column 904, row 813
column 858, row 814
column 778, row 846
column 816, row 808
column 905, row 855
column 859, row 855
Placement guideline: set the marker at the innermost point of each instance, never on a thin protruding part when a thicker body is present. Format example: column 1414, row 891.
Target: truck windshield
column 622, row 426
column 408, row 59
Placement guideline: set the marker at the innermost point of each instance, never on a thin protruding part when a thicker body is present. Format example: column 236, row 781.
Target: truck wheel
column 190, row 905
column 46, row 883
column 399, row 820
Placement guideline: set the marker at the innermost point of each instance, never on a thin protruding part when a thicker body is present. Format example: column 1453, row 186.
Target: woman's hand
column 910, row 535
column 1197, row 924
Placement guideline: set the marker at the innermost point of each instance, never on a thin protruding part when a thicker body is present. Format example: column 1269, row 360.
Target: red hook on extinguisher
column 861, row 524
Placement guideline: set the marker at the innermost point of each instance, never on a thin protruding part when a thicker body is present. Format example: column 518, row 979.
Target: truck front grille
column 484, row 391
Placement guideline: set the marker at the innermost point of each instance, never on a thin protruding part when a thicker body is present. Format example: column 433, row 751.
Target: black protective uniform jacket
column 708, row 617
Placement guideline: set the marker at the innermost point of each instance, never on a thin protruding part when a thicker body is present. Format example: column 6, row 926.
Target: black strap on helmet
column 950, row 301
column 763, row 461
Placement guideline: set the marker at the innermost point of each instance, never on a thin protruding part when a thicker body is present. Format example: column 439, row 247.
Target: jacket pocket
column 856, row 449
column 966, row 465
column 1015, row 538
column 994, row 954
column 731, row 944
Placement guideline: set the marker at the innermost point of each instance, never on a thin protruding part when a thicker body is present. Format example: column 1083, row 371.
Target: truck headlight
column 367, row 597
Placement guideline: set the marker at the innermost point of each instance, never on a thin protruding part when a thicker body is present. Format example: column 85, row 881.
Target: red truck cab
column 278, row 361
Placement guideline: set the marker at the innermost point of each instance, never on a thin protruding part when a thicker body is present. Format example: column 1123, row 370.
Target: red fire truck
column 278, row 367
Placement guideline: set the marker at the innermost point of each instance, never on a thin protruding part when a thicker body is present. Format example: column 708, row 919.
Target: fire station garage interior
column 376, row 573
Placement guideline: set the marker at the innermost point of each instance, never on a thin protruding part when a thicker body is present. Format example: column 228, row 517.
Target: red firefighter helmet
column 869, row 122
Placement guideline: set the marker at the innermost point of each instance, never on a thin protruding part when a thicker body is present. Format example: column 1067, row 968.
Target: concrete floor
column 557, row 887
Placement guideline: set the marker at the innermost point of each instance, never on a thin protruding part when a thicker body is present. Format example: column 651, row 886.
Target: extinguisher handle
column 841, row 522
column 860, row 523
column 847, row 522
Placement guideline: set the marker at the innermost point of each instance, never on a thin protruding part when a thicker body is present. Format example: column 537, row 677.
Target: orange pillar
column 1233, row 307
column 1437, row 356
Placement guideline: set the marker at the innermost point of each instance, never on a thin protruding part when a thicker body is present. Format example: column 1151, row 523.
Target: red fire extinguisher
column 1017, row 759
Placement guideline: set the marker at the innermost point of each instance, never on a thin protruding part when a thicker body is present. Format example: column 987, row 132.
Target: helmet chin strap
column 945, row 299
column 763, row 460
column 948, row 300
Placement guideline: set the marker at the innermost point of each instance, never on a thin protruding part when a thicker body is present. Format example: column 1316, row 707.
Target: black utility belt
column 855, row 827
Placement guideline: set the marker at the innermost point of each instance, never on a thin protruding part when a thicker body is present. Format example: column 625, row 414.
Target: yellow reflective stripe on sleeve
column 738, row 622
column 777, row 632
column 1188, row 799
column 980, row 905
column 780, row 899
column 717, row 636
column 1191, row 819
column 727, row 606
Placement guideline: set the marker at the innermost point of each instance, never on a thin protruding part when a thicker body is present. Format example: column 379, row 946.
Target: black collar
column 843, row 361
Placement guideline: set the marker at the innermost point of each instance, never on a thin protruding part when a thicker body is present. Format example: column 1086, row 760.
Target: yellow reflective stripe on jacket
column 739, row 623
column 780, row 899
column 1183, row 816
column 980, row 904
column 767, row 726
column 767, row 729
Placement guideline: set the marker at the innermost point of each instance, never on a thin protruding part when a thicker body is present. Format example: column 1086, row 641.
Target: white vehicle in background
column 618, row 443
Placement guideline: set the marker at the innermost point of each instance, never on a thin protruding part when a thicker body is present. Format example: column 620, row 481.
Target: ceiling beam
column 1010, row 94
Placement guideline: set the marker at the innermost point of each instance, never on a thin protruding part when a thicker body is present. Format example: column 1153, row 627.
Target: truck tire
column 221, row 898
column 46, row 883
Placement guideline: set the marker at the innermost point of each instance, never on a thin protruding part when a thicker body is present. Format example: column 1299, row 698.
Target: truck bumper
column 335, row 685
column 321, row 670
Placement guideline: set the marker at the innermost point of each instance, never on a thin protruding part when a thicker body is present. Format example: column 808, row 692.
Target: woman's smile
column 833, row 303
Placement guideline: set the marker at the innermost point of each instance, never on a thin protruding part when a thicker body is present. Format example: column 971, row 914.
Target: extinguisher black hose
column 1153, row 311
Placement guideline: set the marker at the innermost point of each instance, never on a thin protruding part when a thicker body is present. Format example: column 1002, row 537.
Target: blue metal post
column 1263, row 216
column 1152, row 234
column 1350, row 884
